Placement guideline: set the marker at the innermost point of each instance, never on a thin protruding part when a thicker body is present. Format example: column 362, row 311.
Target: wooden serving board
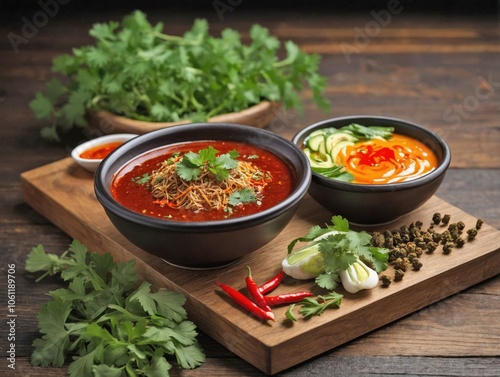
column 63, row 192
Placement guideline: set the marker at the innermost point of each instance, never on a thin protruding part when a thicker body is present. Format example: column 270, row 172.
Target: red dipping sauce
column 138, row 198
column 100, row 151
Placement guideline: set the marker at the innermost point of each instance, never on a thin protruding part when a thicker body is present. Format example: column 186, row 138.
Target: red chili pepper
column 246, row 303
column 253, row 289
column 287, row 298
column 271, row 284
column 372, row 156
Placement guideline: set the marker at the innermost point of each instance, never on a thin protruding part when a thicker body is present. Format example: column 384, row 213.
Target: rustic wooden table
column 436, row 69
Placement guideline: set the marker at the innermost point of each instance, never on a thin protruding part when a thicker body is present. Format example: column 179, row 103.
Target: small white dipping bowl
column 92, row 164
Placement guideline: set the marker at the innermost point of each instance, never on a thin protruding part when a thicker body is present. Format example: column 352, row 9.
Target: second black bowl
column 375, row 204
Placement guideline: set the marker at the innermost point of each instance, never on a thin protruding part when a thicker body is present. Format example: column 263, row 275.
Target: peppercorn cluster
column 408, row 243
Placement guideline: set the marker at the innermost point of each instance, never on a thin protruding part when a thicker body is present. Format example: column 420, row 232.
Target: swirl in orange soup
column 380, row 161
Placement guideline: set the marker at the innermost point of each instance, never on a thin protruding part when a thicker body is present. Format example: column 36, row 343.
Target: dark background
column 417, row 6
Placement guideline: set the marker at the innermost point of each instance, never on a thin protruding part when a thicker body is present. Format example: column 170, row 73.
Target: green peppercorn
column 401, row 252
column 396, row 237
column 416, row 264
column 431, row 247
column 392, row 256
column 446, row 219
column 410, row 247
column 422, row 244
column 399, row 275
column 448, row 247
column 479, row 224
column 436, row 237
column 459, row 242
column 436, row 218
column 405, row 238
column 471, row 233
column 401, row 263
column 419, row 251
column 427, row 237
column 446, row 237
column 386, row 280
column 454, row 235
column 378, row 239
column 412, row 256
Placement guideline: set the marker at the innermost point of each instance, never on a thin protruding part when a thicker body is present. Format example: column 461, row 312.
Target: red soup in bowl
column 203, row 180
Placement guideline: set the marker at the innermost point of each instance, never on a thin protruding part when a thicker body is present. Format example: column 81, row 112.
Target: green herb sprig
column 110, row 328
column 342, row 249
column 135, row 70
column 194, row 164
column 311, row 306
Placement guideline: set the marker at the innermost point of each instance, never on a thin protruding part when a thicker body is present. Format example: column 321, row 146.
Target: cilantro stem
column 195, row 102
column 176, row 39
column 215, row 110
column 283, row 63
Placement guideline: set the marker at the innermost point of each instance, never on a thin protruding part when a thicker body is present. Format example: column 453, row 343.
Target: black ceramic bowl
column 210, row 244
column 365, row 204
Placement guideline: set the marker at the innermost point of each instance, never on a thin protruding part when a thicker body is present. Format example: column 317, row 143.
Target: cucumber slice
column 318, row 161
column 314, row 142
column 333, row 139
column 338, row 147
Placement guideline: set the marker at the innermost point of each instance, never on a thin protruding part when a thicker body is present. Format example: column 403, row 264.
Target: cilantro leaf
column 340, row 224
column 51, row 348
column 328, row 281
column 103, row 370
column 189, row 357
column 194, row 164
column 82, row 365
column 204, row 156
column 188, row 170
column 227, row 160
column 158, row 367
column 42, row 106
column 243, row 196
column 39, row 260
column 170, row 305
column 143, row 179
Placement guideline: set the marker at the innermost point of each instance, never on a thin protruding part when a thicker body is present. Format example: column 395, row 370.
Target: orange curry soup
column 378, row 161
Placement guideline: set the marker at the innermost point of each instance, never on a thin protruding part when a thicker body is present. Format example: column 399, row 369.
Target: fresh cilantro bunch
column 110, row 328
column 135, row 70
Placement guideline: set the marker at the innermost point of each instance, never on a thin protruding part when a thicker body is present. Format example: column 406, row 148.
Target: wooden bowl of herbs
column 136, row 78
column 257, row 116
